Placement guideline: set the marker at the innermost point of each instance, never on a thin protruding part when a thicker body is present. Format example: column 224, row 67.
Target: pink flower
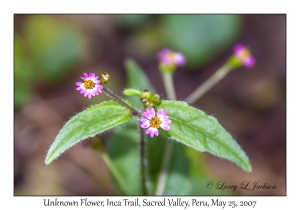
column 153, row 122
column 170, row 58
column 243, row 54
column 90, row 85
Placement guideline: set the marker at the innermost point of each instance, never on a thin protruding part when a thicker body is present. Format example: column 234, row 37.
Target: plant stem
column 169, row 86
column 114, row 171
column 142, row 159
column 121, row 101
column 214, row 79
column 162, row 179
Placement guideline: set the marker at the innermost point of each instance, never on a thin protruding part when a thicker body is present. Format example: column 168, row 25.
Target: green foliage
column 202, row 132
column 55, row 46
column 22, row 73
column 178, row 173
column 200, row 37
column 133, row 21
column 123, row 149
column 200, row 176
column 94, row 120
column 138, row 80
column 47, row 49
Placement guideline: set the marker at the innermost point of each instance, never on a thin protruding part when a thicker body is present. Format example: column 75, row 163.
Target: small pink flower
column 153, row 122
column 243, row 54
column 170, row 58
column 90, row 85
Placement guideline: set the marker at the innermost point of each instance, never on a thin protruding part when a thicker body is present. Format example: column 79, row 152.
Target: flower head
column 243, row 54
column 90, row 85
column 154, row 121
column 169, row 58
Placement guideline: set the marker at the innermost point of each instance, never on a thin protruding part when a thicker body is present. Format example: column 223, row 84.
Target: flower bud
column 104, row 77
column 145, row 94
column 242, row 56
column 169, row 60
column 155, row 99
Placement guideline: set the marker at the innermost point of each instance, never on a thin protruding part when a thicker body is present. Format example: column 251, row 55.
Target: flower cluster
column 243, row 55
column 153, row 121
column 90, row 85
column 171, row 59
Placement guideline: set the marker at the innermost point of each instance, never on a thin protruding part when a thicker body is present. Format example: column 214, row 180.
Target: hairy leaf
column 203, row 132
column 88, row 123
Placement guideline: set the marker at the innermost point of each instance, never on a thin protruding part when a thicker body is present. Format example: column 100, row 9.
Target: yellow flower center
column 244, row 54
column 171, row 56
column 155, row 122
column 89, row 84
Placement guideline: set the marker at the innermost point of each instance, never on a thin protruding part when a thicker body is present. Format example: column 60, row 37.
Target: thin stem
column 169, row 86
column 162, row 179
column 142, row 159
column 163, row 175
column 121, row 101
column 114, row 171
column 208, row 84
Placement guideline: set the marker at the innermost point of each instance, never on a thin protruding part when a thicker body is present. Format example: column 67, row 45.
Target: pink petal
column 143, row 120
column 145, row 125
column 152, row 112
column 165, row 126
column 161, row 112
column 249, row 62
column 152, row 131
column 78, row 83
column 179, row 59
column 238, row 48
column 147, row 114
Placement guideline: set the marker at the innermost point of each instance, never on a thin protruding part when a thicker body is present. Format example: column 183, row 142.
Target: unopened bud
column 145, row 94
column 155, row 99
column 104, row 77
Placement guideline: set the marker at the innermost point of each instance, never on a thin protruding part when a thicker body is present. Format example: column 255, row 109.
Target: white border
column 8, row 8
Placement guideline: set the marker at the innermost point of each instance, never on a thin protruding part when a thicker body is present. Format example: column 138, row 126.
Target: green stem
column 169, row 86
column 114, row 171
column 163, row 175
column 121, row 101
column 142, row 159
column 208, row 84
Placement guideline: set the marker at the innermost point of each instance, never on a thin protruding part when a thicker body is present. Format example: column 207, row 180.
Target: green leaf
column 178, row 181
column 88, row 123
column 200, row 37
column 137, row 79
column 123, row 149
column 203, row 132
column 200, row 176
column 123, row 144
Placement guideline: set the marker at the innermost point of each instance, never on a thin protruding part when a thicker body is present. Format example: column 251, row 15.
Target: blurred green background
column 52, row 51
